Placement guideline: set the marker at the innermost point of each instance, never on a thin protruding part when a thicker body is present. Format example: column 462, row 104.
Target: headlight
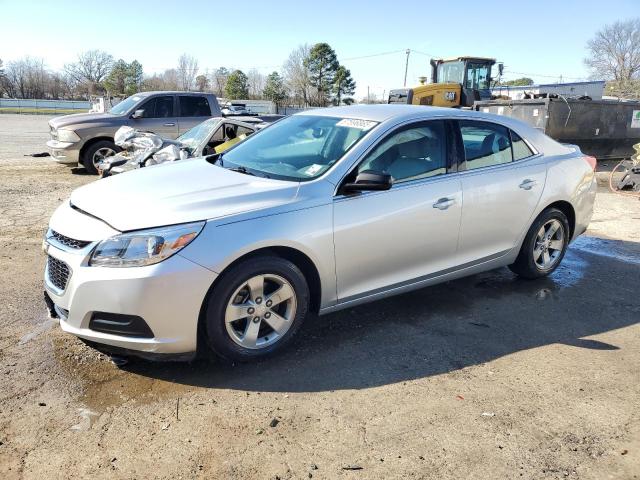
column 67, row 136
column 144, row 247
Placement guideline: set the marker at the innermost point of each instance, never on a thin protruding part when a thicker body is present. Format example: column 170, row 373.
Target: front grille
column 58, row 272
column 69, row 242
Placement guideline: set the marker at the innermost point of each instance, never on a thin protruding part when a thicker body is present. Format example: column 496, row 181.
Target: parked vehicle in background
column 143, row 149
column 235, row 109
column 86, row 139
column 320, row 211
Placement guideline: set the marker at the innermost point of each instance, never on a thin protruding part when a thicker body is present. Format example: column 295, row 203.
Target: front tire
column 256, row 308
column 97, row 152
column 544, row 246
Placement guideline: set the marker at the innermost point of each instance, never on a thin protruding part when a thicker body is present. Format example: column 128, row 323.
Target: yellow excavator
column 455, row 82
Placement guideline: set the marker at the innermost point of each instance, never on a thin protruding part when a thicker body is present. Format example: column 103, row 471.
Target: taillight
column 591, row 161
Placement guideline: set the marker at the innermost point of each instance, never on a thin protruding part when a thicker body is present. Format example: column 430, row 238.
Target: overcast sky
column 542, row 39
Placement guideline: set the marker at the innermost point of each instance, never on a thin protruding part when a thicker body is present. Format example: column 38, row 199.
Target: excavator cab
column 455, row 82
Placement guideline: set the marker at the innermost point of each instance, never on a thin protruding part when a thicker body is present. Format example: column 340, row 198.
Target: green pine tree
column 322, row 64
column 237, row 85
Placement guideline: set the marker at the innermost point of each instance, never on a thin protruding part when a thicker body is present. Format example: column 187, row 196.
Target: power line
column 374, row 55
column 542, row 75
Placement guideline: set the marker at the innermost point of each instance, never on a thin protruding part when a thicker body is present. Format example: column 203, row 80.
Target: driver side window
column 413, row 152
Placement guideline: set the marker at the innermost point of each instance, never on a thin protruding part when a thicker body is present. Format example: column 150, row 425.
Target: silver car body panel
column 364, row 246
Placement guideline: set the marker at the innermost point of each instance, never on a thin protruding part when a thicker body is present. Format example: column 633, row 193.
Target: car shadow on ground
column 440, row 329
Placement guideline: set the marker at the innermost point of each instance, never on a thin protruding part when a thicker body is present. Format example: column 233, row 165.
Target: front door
column 158, row 117
column 392, row 238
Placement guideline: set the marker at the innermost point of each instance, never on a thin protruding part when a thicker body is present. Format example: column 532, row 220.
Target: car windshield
column 125, row 105
column 299, row 147
column 196, row 135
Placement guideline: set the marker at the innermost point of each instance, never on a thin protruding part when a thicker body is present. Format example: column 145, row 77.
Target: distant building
column 594, row 89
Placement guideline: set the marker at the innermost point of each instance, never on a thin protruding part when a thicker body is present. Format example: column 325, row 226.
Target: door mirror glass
column 138, row 113
column 369, row 180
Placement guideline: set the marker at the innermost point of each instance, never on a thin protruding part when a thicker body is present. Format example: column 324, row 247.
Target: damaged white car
column 143, row 149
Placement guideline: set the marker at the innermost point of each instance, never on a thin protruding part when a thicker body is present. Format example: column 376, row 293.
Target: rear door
column 193, row 109
column 502, row 181
column 159, row 117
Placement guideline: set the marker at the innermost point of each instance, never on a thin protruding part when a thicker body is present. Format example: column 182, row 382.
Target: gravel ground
column 485, row 377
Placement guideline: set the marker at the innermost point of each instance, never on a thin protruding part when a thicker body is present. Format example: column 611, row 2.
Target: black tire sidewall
column 91, row 150
column 215, row 330
column 525, row 262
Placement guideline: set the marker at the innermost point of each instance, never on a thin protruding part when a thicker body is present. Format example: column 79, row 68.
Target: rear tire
column 544, row 245
column 256, row 308
column 95, row 152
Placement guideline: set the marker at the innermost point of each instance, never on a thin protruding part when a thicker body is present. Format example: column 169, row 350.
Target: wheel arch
column 568, row 210
column 297, row 257
column 91, row 142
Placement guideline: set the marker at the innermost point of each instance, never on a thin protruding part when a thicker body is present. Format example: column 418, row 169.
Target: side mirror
column 369, row 180
column 138, row 113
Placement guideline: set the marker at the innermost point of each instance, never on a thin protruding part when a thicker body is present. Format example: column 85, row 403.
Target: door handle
column 171, row 124
column 528, row 184
column 444, row 203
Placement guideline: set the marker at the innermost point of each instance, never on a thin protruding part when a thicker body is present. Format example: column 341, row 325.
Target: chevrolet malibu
column 321, row 211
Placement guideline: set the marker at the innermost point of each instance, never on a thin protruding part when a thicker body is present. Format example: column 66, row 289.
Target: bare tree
column 219, row 80
column 614, row 53
column 168, row 80
column 257, row 82
column 25, row 78
column 91, row 68
column 297, row 76
column 187, row 71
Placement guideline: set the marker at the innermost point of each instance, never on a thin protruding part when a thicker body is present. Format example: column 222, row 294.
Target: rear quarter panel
column 570, row 179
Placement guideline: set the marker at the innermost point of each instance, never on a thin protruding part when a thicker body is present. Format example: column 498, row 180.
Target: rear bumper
column 583, row 205
column 64, row 152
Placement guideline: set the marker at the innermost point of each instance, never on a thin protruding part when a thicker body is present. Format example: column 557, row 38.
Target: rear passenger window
column 418, row 151
column 192, row 106
column 520, row 148
column 485, row 144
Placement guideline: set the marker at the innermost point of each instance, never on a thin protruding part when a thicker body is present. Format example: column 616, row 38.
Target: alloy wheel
column 549, row 244
column 260, row 311
column 101, row 154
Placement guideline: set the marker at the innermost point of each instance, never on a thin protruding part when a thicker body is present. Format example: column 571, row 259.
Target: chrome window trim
column 375, row 142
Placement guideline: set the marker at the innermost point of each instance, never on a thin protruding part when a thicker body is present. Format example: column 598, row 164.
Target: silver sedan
column 322, row 210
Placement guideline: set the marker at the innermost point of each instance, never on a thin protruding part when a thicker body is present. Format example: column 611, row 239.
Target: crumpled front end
column 140, row 149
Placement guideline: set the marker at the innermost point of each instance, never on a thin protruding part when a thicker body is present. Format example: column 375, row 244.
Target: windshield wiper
column 241, row 170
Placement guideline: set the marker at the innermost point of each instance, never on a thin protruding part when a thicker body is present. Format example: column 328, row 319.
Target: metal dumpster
column 606, row 129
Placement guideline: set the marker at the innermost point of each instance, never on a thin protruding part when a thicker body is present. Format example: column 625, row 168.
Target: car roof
column 399, row 113
column 383, row 112
column 169, row 92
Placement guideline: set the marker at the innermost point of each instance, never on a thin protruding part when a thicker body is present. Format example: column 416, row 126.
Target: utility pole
column 368, row 97
column 406, row 67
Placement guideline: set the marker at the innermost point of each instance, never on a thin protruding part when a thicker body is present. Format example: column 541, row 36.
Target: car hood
column 85, row 119
column 185, row 191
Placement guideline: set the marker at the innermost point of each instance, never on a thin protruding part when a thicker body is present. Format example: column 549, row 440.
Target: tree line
column 311, row 76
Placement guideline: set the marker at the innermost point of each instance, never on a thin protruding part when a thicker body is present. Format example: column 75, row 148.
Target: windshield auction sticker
column 356, row 123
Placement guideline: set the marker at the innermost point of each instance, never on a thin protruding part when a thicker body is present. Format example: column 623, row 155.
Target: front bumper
column 64, row 152
column 167, row 295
